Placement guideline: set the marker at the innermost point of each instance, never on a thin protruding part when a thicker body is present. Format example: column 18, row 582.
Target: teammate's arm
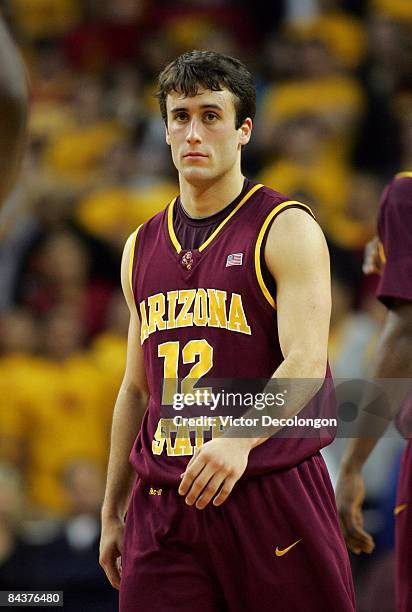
column 127, row 417
column 392, row 359
column 297, row 256
column 13, row 111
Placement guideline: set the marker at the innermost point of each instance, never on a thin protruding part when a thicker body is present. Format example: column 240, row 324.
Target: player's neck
column 206, row 199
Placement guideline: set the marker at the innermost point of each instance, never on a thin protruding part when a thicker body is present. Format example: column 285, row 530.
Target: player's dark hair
column 213, row 71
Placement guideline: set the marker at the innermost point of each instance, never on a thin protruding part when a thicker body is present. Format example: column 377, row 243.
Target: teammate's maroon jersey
column 394, row 228
column 207, row 313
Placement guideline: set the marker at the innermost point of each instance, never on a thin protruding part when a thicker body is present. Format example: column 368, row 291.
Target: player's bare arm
column 392, row 360
column 127, row 416
column 297, row 256
column 13, row 111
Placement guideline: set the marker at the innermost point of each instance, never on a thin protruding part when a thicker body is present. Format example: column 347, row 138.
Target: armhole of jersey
column 262, row 233
column 131, row 258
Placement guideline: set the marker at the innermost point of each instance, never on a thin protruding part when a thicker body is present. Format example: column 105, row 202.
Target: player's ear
column 167, row 135
column 245, row 131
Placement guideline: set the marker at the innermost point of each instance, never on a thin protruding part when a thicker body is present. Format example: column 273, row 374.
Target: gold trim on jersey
column 234, row 211
column 398, row 509
column 403, row 174
column 131, row 258
column 173, row 236
column 258, row 268
column 171, row 229
column 381, row 251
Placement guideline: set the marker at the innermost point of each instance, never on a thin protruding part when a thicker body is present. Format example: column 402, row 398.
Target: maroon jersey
column 394, row 228
column 207, row 312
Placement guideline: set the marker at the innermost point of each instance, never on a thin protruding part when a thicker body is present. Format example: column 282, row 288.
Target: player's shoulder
column 403, row 175
column 399, row 191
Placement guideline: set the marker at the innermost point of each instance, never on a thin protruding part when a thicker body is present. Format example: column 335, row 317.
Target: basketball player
column 13, row 112
column 230, row 280
column 390, row 255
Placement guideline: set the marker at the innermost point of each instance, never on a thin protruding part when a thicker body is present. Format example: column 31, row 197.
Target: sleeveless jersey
column 207, row 312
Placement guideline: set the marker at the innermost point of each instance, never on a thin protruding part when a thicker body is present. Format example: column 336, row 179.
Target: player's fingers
column 194, row 456
column 199, row 484
column 352, row 543
column 364, row 540
column 210, row 490
column 354, row 546
column 357, row 539
column 352, row 530
column 111, row 569
column 225, row 491
column 357, row 546
column 190, row 474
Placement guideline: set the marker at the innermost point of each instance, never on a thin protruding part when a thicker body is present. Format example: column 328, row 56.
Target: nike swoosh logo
column 398, row 509
column 280, row 553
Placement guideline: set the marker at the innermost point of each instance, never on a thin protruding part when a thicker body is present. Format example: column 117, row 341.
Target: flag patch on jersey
column 235, row 259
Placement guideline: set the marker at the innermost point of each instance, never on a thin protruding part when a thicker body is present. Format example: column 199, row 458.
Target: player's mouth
column 194, row 155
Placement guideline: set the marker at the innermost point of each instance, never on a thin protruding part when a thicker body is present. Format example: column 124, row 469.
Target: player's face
column 201, row 131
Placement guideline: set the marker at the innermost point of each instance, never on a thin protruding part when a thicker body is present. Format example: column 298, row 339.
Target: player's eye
column 181, row 116
column 210, row 117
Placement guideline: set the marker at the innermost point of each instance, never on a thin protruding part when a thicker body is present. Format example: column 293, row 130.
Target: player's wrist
column 112, row 513
column 245, row 443
column 254, row 442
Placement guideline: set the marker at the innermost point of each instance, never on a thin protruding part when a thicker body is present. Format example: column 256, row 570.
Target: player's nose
column 193, row 134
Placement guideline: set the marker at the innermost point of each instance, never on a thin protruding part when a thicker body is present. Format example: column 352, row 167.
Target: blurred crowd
column 334, row 123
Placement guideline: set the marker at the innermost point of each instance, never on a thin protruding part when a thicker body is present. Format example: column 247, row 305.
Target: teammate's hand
column 372, row 260
column 111, row 545
column 350, row 493
column 214, row 470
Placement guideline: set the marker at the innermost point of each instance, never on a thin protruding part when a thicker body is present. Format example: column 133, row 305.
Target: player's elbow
column 136, row 392
column 309, row 364
column 317, row 371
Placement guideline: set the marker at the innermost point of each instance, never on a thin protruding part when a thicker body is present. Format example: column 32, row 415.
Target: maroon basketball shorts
column 273, row 545
column 403, row 534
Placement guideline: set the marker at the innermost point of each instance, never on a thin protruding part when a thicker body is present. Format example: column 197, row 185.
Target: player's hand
column 350, row 493
column 214, row 470
column 111, row 545
column 372, row 261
